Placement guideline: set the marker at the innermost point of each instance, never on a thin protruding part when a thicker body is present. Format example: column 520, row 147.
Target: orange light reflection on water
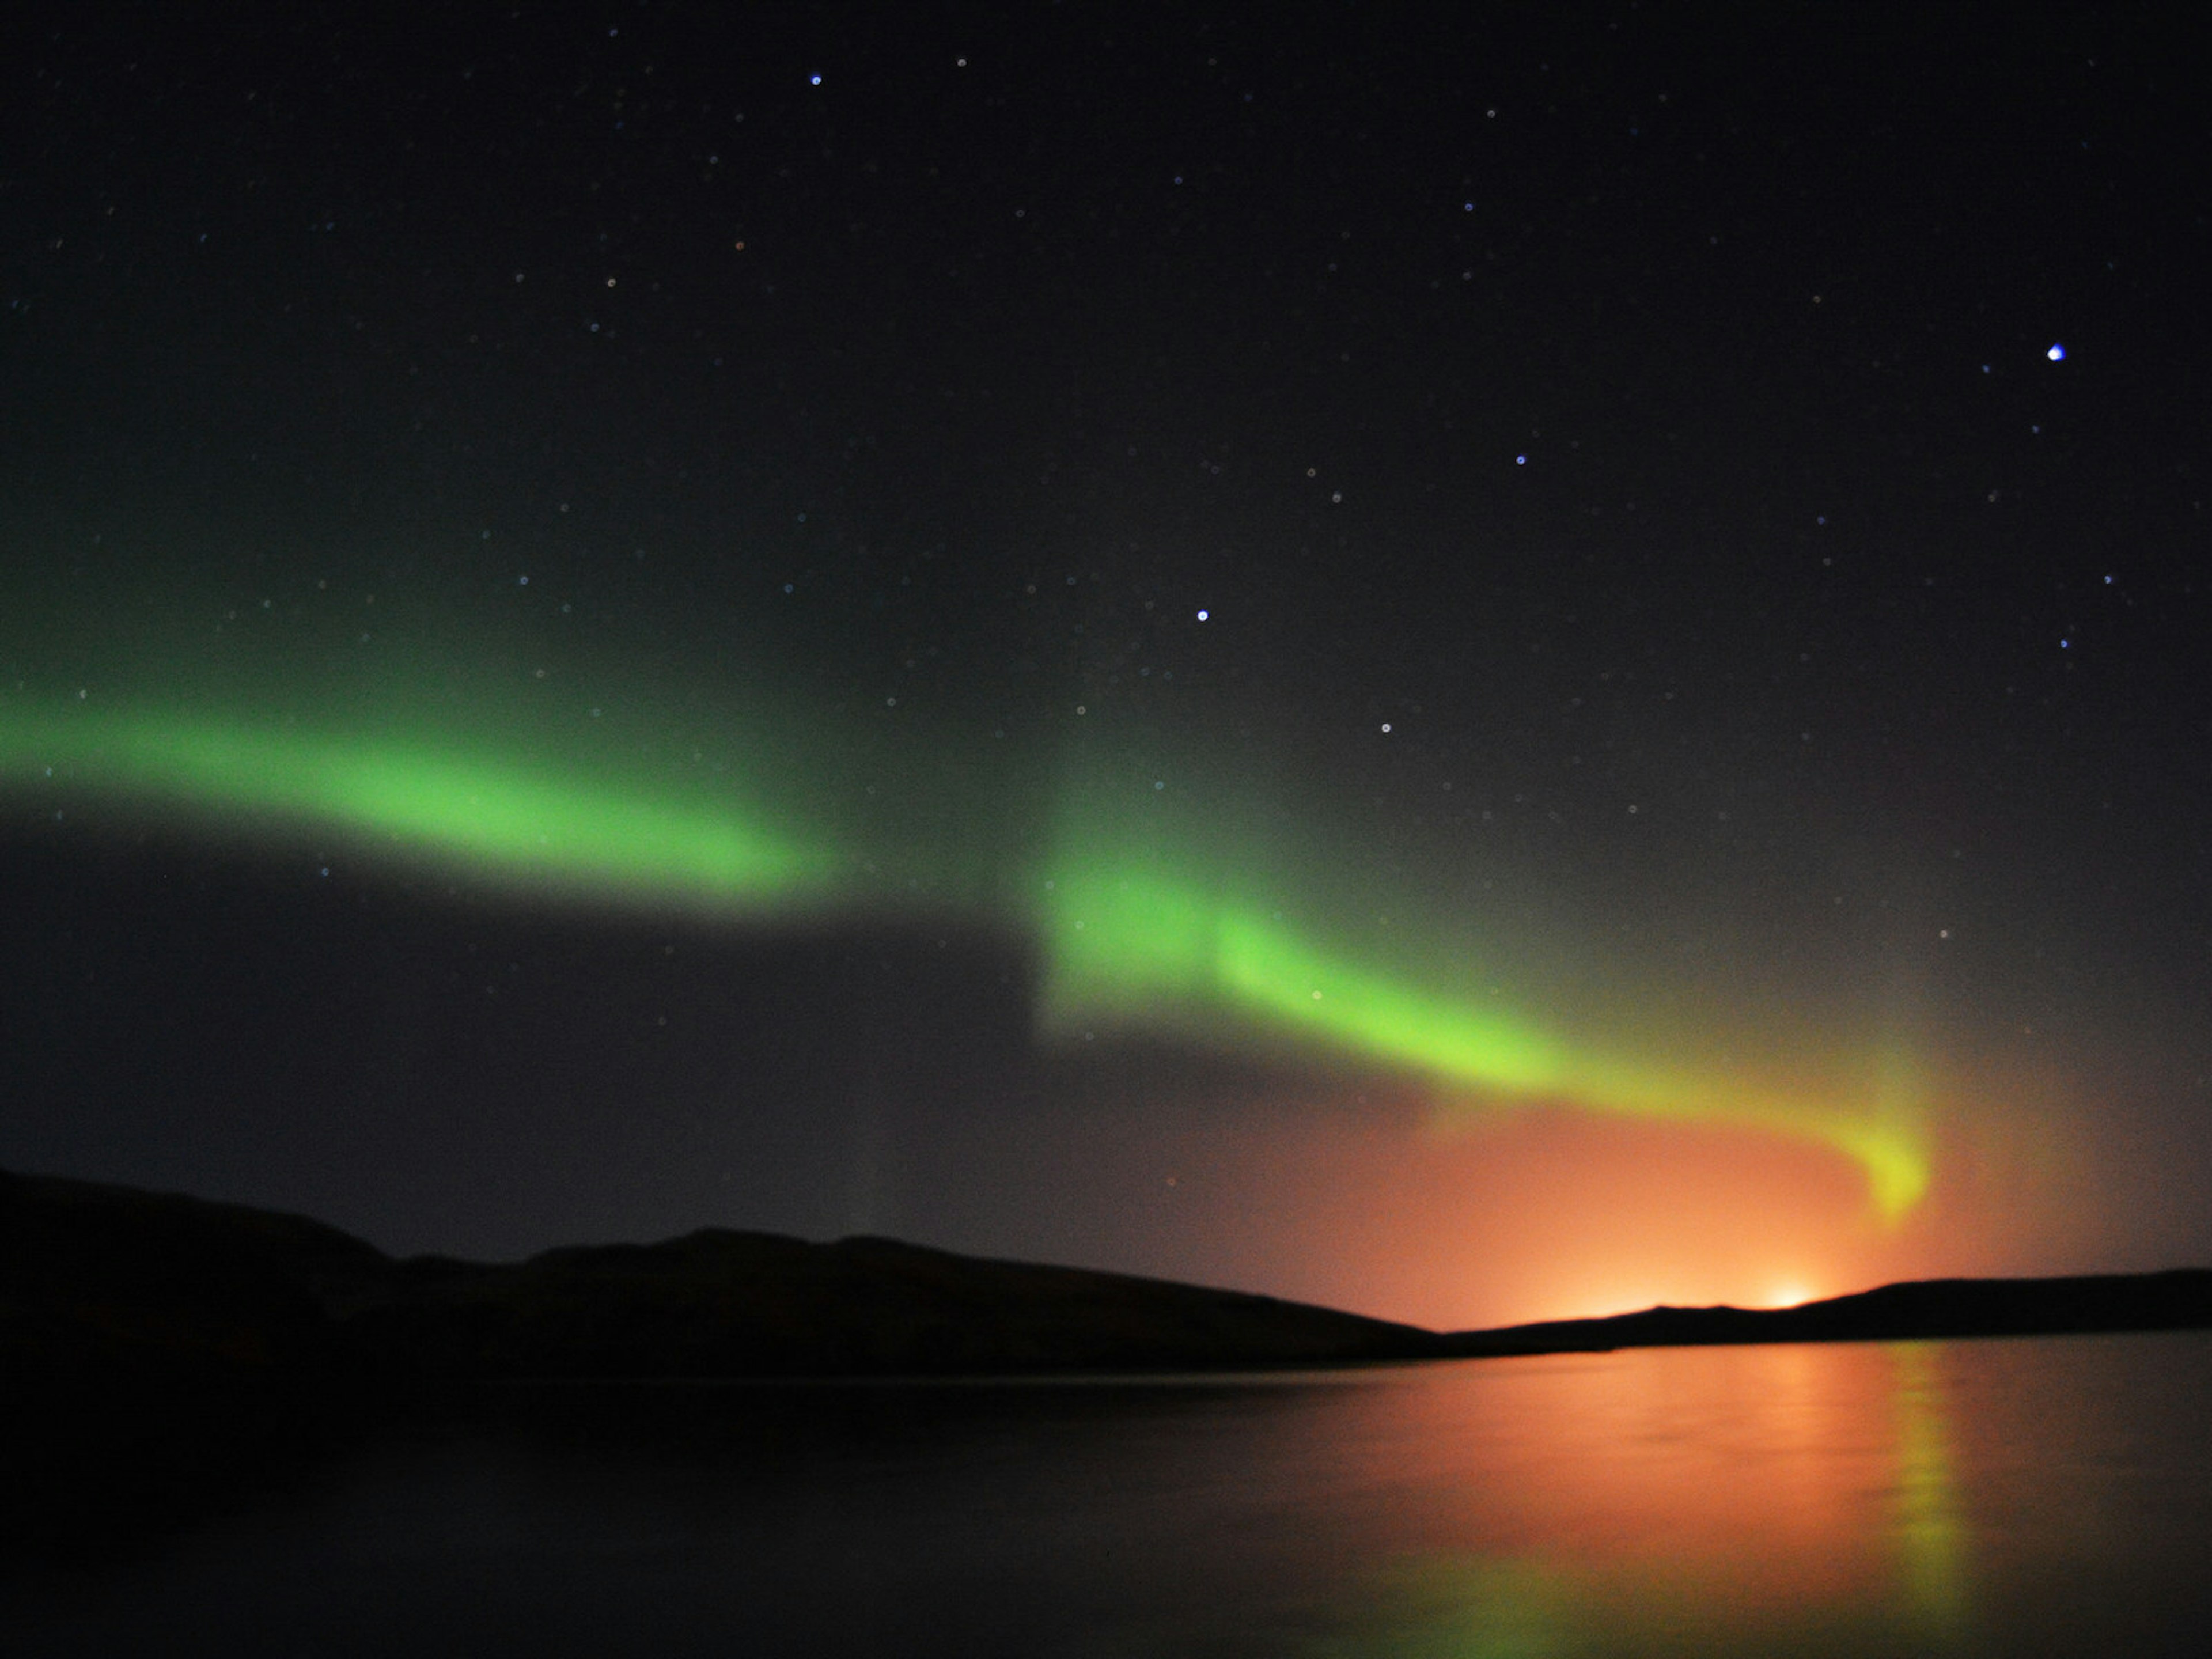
column 1741, row 1490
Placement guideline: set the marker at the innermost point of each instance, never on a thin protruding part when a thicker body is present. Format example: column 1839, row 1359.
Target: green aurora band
column 504, row 819
column 1128, row 947
column 1130, row 941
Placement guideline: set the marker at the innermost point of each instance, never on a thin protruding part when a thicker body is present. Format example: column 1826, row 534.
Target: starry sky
column 1479, row 668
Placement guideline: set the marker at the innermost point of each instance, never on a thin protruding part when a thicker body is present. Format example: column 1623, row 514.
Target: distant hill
column 2178, row 1299
column 111, row 1286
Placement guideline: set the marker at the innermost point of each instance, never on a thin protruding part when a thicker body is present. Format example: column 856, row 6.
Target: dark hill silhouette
column 100, row 1282
column 2177, row 1299
column 110, row 1286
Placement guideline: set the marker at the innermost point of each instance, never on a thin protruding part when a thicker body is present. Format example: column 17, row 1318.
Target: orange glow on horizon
column 1554, row 1215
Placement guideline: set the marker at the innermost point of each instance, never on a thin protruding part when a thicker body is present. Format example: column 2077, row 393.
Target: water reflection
column 2023, row 1497
column 1556, row 1505
column 1930, row 1529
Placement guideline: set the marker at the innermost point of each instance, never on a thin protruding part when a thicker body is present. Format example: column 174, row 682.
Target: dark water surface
column 2049, row 1497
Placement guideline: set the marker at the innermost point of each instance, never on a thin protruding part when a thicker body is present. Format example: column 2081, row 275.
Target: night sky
column 1475, row 669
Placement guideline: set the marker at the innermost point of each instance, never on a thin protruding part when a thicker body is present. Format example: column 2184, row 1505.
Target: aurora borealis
column 1122, row 943
column 498, row 817
column 1482, row 670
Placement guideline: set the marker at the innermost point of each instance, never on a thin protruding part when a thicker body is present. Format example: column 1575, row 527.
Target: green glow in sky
column 1132, row 948
column 418, row 796
column 1126, row 945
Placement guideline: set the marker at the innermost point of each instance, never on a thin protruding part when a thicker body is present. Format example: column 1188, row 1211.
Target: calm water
column 2016, row 1497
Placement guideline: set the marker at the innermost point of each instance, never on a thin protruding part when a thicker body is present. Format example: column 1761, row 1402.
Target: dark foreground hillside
column 105, row 1282
column 162, row 1358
